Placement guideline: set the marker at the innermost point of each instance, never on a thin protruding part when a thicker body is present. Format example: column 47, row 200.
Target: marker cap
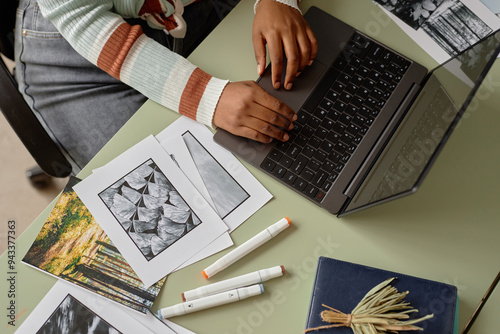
column 270, row 273
column 280, row 226
column 250, row 291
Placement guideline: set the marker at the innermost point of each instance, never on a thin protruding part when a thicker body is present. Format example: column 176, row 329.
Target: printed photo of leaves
column 72, row 246
column 149, row 209
column 412, row 12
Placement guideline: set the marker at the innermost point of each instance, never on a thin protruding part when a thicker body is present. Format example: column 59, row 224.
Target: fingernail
column 277, row 85
column 310, row 63
column 285, row 137
column 295, row 116
column 260, row 69
column 298, row 73
column 289, row 86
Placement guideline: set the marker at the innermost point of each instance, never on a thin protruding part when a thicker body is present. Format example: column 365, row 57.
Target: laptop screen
column 415, row 144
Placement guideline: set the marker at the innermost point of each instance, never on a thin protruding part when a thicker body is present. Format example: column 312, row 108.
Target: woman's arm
column 126, row 53
column 280, row 25
column 122, row 50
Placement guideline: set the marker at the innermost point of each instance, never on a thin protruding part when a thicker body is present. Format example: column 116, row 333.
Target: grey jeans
column 81, row 106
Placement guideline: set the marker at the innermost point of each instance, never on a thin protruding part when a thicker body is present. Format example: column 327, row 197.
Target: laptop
column 371, row 121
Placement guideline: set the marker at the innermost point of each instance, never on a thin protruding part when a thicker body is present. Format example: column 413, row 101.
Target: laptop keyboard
column 334, row 119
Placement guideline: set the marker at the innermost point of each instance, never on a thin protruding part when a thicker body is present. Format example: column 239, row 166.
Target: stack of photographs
column 68, row 309
column 72, row 246
column 165, row 203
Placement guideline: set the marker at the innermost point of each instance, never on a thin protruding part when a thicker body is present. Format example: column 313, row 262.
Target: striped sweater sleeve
column 126, row 53
column 291, row 3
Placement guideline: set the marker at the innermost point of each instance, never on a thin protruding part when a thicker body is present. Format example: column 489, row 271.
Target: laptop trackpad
column 303, row 85
column 255, row 152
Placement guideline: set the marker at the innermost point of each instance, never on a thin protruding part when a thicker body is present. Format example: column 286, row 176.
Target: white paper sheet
column 233, row 191
column 180, row 154
column 178, row 329
column 127, row 198
column 219, row 244
column 76, row 310
column 158, row 326
column 429, row 45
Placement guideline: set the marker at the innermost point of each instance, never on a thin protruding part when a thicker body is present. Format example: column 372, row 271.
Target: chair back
column 19, row 115
column 7, row 22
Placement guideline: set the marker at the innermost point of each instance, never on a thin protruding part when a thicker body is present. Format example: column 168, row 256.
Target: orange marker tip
column 282, row 271
column 289, row 221
column 204, row 274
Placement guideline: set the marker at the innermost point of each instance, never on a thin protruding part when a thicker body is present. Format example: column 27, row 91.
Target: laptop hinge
column 377, row 149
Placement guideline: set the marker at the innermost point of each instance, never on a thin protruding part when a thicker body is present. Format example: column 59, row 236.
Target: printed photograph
column 225, row 192
column 67, row 309
column 73, row 317
column 455, row 27
column 412, row 12
column 149, row 209
column 222, row 180
column 72, row 246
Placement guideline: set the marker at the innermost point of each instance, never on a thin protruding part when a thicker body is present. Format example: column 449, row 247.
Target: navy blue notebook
column 342, row 285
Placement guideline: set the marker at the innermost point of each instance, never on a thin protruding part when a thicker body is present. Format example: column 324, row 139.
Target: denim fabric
column 81, row 106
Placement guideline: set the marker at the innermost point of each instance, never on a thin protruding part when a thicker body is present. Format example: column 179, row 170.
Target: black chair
column 51, row 161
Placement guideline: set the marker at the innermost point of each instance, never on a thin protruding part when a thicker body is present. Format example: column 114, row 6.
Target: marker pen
column 211, row 301
column 233, row 283
column 246, row 247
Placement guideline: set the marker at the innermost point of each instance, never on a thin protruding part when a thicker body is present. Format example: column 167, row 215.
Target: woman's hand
column 247, row 110
column 282, row 27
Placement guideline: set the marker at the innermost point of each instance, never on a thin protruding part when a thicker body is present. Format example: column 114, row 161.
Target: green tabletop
column 448, row 231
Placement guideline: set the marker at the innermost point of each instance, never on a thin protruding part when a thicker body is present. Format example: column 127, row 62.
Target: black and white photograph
column 223, row 181
column 455, row 27
column 412, row 12
column 69, row 309
column 73, row 317
column 149, row 209
column 225, row 192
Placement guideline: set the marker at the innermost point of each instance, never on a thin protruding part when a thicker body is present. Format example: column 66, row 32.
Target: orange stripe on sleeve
column 193, row 93
column 117, row 47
